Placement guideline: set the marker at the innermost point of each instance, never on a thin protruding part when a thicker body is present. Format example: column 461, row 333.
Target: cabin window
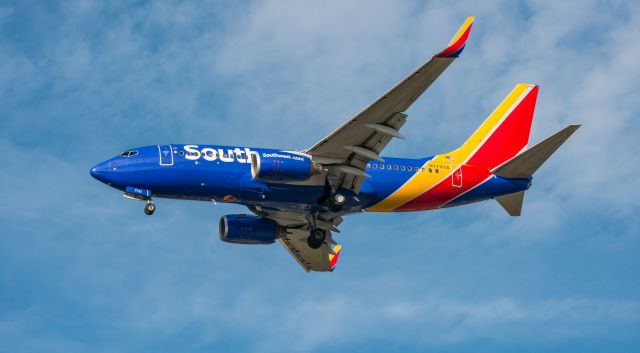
column 368, row 165
column 437, row 171
column 181, row 153
column 375, row 166
column 395, row 167
column 389, row 167
column 209, row 153
column 410, row 168
column 402, row 168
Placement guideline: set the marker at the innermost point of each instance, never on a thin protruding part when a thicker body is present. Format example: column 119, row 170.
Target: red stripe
column 510, row 137
column 334, row 261
column 444, row 191
column 455, row 46
column 504, row 143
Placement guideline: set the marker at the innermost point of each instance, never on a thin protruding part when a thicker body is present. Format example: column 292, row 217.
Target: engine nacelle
column 247, row 229
column 283, row 166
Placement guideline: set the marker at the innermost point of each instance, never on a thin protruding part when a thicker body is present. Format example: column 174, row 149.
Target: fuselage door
column 166, row 155
column 456, row 178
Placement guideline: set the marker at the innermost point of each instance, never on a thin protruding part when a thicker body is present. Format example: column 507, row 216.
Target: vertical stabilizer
column 505, row 133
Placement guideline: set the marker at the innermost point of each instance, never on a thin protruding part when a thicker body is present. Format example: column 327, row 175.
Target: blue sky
column 84, row 270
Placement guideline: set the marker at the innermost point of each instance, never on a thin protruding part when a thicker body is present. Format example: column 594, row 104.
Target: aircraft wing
column 294, row 240
column 322, row 259
column 347, row 150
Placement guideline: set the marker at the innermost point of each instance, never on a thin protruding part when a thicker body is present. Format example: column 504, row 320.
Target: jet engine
column 283, row 166
column 247, row 229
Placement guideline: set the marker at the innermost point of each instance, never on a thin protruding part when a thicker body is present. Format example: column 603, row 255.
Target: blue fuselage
column 223, row 173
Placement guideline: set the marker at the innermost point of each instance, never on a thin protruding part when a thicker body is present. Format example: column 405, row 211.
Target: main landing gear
column 335, row 199
column 149, row 208
column 316, row 238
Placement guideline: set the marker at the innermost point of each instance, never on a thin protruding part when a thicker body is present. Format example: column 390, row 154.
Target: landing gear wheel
column 336, row 201
column 149, row 208
column 316, row 237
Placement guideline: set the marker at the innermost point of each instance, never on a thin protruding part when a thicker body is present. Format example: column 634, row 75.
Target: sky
column 84, row 270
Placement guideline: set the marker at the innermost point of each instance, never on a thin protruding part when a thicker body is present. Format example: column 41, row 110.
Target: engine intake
column 247, row 229
column 283, row 166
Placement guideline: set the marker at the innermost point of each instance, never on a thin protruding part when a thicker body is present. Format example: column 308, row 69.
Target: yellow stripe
column 462, row 29
column 336, row 249
column 421, row 182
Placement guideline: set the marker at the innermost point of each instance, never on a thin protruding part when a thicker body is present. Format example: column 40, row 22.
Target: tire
column 149, row 209
column 336, row 201
column 316, row 238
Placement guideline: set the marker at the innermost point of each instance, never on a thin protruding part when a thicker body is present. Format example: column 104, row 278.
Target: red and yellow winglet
column 333, row 259
column 456, row 45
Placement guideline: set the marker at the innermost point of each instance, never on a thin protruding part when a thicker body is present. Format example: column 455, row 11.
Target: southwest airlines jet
column 299, row 198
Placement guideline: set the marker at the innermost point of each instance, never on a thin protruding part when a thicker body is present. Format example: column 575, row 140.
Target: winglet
column 456, row 45
column 333, row 259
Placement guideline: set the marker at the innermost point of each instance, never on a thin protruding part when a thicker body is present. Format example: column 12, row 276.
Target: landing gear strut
column 149, row 208
column 317, row 236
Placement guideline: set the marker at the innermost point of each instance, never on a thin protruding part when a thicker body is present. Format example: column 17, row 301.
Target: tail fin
column 505, row 133
column 526, row 163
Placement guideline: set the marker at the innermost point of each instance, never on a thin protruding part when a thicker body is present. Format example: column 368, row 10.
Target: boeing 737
column 299, row 198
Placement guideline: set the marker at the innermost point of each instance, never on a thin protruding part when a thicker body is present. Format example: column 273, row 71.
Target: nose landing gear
column 149, row 208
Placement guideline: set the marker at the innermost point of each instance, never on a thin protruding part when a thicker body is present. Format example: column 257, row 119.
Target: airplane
column 299, row 198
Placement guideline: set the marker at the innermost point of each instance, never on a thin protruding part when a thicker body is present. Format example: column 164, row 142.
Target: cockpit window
column 128, row 153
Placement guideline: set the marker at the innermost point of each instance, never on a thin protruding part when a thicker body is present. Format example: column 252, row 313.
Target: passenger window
column 181, row 153
column 437, row 171
column 375, row 166
column 410, row 168
column 209, row 153
column 368, row 165
column 430, row 170
column 395, row 167
column 422, row 169
column 402, row 168
column 389, row 167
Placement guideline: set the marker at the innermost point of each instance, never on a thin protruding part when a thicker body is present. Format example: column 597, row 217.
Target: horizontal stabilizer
column 512, row 203
column 526, row 163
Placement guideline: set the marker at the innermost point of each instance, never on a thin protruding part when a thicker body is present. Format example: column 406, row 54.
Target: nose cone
column 101, row 172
